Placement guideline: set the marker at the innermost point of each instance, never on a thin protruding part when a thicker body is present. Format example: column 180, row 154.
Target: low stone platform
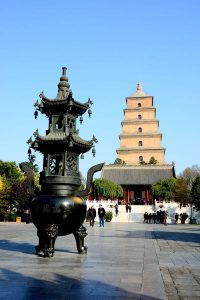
column 124, row 261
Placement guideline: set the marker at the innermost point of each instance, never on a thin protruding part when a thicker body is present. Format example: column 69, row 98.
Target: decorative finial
column 139, row 93
column 139, row 86
column 63, row 86
column 64, row 71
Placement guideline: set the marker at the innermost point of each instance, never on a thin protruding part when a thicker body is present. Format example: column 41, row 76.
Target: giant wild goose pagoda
column 141, row 154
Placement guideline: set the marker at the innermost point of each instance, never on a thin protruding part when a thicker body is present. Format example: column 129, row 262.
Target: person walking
column 116, row 210
column 92, row 215
column 165, row 218
column 101, row 214
column 176, row 218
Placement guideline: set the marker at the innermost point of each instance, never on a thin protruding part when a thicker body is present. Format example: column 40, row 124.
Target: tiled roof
column 137, row 175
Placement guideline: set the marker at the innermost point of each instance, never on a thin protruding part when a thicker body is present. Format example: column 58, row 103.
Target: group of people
column 159, row 217
column 101, row 214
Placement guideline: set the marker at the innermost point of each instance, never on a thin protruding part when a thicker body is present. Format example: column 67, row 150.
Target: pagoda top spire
column 63, row 86
column 139, row 92
column 139, row 86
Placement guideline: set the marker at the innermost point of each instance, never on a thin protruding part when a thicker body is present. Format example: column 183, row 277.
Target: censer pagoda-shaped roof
column 62, row 113
column 64, row 100
column 53, row 140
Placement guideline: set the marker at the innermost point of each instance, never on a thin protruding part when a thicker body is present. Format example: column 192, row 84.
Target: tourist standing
column 92, row 215
column 176, row 218
column 165, row 218
column 101, row 214
column 116, row 210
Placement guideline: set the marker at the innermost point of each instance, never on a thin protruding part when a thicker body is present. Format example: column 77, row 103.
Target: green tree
column 11, row 171
column 157, row 190
column 107, row 189
column 182, row 191
column 152, row 161
column 4, row 203
column 189, row 174
column 195, row 193
column 119, row 161
column 31, row 163
column 164, row 189
column 19, row 197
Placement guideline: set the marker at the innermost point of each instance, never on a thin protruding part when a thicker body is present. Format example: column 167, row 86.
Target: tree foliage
column 119, row 161
column 31, row 163
column 13, row 189
column 11, row 171
column 19, row 197
column 152, row 161
column 164, row 189
column 107, row 189
column 195, row 193
column 189, row 174
column 4, row 203
column 182, row 191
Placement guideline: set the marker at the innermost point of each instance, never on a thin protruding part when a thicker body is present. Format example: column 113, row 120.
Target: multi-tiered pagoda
column 62, row 145
column 141, row 156
column 140, row 140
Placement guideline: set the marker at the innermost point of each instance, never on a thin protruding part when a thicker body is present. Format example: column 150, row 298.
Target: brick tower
column 140, row 140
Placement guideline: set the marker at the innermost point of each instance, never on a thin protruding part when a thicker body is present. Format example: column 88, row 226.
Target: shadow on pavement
column 188, row 237
column 14, row 285
column 177, row 236
column 24, row 247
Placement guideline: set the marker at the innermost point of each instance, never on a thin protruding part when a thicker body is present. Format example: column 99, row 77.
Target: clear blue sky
column 107, row 46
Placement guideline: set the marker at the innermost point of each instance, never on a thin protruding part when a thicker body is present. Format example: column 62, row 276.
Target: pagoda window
column 71, row 123
column 71, row 161
column 59, row 123
column 140, row 143
column 55, row 165
column 139, row 117
column 139, row 104
column 140, row 129
column 140, row 158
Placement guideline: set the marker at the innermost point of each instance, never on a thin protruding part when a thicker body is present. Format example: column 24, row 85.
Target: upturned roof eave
column 69, row 104
column 62, row 139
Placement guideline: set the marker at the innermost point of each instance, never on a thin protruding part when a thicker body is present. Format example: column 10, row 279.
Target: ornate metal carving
column 80, row 235
column 47, row 236
column 71, row 161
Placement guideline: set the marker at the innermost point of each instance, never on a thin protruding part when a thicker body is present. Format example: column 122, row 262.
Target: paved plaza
column 124, row 261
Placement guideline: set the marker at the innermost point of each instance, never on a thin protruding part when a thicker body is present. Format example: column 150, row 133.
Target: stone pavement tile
column 166, row 276
column 189, row 298
column 172, row 297
column 185, row 282
column 192, row 260
column 132, row 279
column 152, row 282
column 194, row 287
column 178, row 260
column 189, row 293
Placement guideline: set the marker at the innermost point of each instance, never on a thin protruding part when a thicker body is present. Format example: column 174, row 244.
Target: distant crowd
column 159, row 217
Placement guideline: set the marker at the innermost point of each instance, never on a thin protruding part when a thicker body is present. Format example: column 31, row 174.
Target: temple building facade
column 141, row 155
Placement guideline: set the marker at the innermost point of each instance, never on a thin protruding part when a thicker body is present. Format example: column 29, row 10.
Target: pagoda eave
column 140, row 134
column 66, row 105
column 139, row 149
column 50, row 147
